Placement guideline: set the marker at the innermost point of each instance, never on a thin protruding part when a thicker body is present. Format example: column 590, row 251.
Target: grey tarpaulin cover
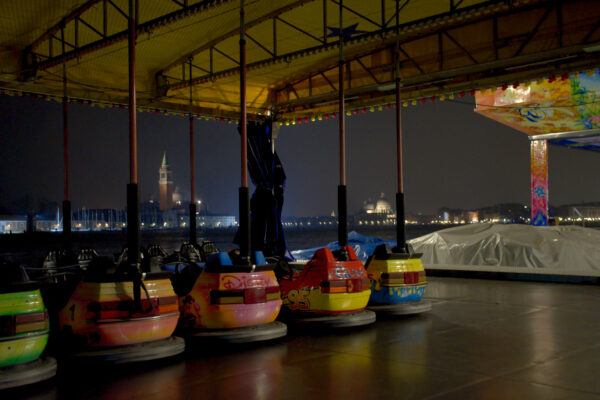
column 571, row 250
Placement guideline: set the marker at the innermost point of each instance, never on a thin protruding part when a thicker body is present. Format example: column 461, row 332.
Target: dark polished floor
column 482, row 340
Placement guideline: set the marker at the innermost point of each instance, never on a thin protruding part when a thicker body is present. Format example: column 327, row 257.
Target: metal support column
column 539, row 182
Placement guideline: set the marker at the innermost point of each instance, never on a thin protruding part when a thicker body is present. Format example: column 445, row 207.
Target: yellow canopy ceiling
column 444, row 46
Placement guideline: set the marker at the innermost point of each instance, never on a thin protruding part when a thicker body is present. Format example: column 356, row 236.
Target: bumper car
column 188, row 253
column 228, row 302
column 57, row 261
column 115, row 314
column 24, row 329
column 331, row 291
column 86, row 256
column 398, row 282
column 153, row 258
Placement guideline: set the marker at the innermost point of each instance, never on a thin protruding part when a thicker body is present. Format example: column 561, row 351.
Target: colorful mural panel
column 539, row 182
column 568, row 103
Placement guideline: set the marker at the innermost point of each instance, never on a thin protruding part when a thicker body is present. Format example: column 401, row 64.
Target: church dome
column 177, row 195
column 383, row 206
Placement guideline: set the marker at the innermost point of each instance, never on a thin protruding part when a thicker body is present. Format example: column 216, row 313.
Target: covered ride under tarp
column 511, row 248
column 266, row 204
column 563, row 250
column 362, row 245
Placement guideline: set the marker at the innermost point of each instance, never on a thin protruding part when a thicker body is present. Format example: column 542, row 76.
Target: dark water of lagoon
column 30, row 250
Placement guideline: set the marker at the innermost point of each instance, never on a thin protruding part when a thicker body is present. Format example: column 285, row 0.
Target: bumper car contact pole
column 400, row 224
column 66, row 205
column 99, row 322
column 193, row 237
column 244, row 194
column 133, row 194
column 342, row 193
column 398, row 279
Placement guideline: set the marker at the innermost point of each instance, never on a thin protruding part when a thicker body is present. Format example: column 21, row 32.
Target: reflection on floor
column 482, row 340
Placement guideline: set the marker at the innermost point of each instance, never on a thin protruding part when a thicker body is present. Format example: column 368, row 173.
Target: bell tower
column 165, row 185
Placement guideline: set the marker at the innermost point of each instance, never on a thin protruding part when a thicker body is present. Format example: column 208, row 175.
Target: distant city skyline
column 452, row 157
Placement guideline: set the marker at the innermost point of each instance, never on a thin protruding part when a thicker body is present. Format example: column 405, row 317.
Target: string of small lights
column 451, row 96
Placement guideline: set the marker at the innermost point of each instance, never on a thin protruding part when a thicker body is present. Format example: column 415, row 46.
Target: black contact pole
column 244, row 193
column 400, row 224
column 342, row 193
column 193, row 237
column 66, row 204
column 133, row 195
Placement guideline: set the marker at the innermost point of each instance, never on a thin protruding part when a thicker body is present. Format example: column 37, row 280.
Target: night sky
column 453, row 157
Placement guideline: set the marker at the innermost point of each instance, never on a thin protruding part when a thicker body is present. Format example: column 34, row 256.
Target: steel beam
column 226, row 56
column 122, row 35
column 591, row 32
column 90, row 27
column 535, row 30
column 357, row 59
column 369, row 20
column 206, row 71
column 396, row 14
column 234, row 32
column 62, row 40
column 449, row 36
column 409, row 58
column 327, row 80
column 536, row 59
column 472, row 14
column 259, row 44
column 68, row 18
column 299, row 29
column 123, row 13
